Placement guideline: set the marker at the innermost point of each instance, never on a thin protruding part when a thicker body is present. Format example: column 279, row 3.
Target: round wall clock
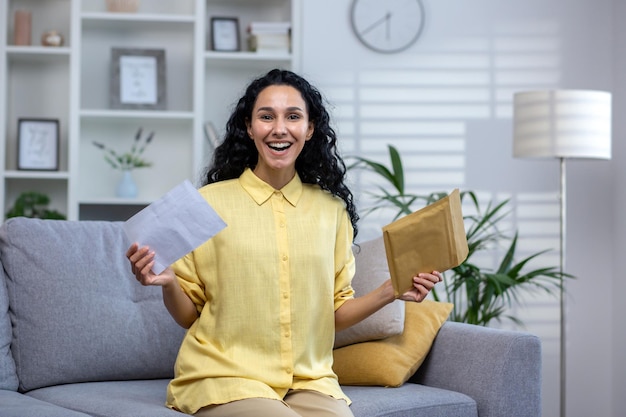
column 387, row 26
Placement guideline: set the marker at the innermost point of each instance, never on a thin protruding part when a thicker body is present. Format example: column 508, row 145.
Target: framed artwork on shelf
column 38, row 144
column 138, row 79
column 225, row 34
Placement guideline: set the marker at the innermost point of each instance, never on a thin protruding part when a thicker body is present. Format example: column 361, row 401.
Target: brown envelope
column 430, row 239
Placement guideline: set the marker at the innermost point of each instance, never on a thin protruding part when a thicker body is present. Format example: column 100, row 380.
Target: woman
column 263, row 298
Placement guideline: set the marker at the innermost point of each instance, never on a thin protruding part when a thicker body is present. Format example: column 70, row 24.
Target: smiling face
column 280, row 127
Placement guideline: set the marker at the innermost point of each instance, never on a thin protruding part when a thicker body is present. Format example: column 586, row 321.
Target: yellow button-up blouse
column 266, row 288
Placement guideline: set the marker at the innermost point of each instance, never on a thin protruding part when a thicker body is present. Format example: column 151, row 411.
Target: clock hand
column 384, row 19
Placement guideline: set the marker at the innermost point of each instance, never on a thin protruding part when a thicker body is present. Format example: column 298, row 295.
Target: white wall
column 618, row 201
column 452, row 94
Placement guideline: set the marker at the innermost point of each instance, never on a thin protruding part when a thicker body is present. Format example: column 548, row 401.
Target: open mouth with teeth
column 279, row 146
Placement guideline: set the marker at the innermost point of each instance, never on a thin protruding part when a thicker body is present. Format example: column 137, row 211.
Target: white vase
column 126, row 188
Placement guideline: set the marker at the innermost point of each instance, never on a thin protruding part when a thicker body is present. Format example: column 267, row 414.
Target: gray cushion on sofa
column 111, row 399
column 14, row 404
column 8, row 377
column 98, row 323
column 409, row 400
column 146, row 399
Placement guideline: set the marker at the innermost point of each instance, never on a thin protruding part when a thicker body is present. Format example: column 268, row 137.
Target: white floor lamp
column 562, row 124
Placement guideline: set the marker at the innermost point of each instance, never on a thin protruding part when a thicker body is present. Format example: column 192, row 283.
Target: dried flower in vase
column 129, row 160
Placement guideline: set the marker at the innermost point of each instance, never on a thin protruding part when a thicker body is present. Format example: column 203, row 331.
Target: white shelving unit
column 72, row 83
column 156, row 25
column 34, row 83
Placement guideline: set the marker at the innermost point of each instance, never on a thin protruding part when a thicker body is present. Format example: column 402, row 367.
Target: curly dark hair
column 318, row 163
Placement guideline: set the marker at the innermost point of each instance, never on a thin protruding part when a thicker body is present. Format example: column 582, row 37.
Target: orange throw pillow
column 392, row 361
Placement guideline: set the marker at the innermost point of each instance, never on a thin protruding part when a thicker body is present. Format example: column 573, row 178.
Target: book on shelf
column 256, row 28
column 269, row 37
column 430, row 239
column 269, row 43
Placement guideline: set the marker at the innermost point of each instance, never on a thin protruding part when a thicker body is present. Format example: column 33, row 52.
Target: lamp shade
column 562, row 124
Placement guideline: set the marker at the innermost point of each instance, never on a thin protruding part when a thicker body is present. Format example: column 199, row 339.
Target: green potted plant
column 480, row 295
column 33, row 204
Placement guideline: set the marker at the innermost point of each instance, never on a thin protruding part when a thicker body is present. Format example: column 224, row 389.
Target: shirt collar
column 260, row 191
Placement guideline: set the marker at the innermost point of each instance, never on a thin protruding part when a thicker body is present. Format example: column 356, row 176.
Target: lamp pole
column 562, row 339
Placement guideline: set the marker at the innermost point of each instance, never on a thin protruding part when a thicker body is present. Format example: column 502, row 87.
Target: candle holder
column 22, row 28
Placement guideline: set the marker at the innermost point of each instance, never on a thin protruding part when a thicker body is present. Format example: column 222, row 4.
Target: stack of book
column 269, row 37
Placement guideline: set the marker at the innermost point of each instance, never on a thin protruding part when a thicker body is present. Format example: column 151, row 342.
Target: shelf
column 247, row 56
column 136, row 114
column 137, row 17
column 39, row 175
column 37, row 53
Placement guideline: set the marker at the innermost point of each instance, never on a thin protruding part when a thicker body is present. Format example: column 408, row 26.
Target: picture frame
column 225, row 34
column 38, row 144
column 138, row 79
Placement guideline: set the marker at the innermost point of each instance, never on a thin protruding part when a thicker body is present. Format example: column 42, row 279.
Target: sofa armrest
column 499, row 369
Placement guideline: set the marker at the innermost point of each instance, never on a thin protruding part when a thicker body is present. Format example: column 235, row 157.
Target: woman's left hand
column 422, row 284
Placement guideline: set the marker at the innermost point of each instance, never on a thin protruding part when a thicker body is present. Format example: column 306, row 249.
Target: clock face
column 387, row 26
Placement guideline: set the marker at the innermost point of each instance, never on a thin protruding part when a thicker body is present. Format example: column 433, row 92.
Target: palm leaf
column 398, row 170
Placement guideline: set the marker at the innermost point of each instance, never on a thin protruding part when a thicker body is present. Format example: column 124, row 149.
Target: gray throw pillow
column 371, row 272
column 78, row 313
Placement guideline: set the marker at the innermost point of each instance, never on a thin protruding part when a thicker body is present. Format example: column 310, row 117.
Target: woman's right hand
column 141, row 263
column 180, row 306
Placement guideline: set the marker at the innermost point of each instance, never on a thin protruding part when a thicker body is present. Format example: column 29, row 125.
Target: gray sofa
column 80, row 337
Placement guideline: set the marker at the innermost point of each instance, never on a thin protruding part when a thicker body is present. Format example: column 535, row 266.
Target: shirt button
column 284, row 257
column 289, row 370
column 282, row 224
column 285, row 295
